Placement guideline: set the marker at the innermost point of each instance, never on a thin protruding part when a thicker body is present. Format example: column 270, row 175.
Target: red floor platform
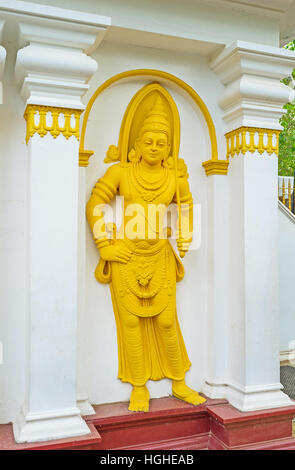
column 174, row 425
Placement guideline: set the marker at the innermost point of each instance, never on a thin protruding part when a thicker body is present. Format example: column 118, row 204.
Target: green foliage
column 287, row 142
column 287, row 136
column 290, row 45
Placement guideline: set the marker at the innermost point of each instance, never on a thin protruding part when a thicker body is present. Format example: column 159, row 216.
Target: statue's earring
column 134, row 154
column 168, row 162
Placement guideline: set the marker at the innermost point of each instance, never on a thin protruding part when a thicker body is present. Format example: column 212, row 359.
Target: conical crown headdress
column 157, row 119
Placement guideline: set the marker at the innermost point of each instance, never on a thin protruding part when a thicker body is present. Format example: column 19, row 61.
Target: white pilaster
column 218, row 253
column 2, row 61
column 82, row 396
column 253, row 97
column 53, row 70
column 253, row 94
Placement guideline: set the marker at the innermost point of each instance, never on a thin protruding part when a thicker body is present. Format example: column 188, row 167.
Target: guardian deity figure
column 143, row 269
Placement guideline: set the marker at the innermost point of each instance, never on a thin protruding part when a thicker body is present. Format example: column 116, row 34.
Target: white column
column 2, row 61
column 249, row 318
column 53, row 71
column 218, row 253
column 82, row 395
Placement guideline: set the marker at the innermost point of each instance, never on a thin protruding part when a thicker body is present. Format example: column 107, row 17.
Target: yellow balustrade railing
column 286, row 192
column 252, row 139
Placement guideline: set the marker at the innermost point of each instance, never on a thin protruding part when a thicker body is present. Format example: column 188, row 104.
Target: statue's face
column 154, row 147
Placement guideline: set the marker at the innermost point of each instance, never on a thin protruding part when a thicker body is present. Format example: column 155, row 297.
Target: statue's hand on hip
column 115, row 252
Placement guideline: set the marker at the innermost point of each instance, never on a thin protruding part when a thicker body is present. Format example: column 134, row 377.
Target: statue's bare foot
column 183, row 392
column 139, row 399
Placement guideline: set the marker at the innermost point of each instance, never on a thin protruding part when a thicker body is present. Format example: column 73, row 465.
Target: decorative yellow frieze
column 39, row 120
column 251, row 139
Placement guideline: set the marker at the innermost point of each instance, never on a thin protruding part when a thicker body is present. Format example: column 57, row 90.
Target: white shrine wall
column 103, row 130
column 13, row 240
column 177, row 21
column 175, row 28
column 98, row 367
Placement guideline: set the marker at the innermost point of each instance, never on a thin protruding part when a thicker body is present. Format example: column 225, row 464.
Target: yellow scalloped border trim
column 55, row 129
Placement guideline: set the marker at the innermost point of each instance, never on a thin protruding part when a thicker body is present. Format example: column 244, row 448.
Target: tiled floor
column 287, row 379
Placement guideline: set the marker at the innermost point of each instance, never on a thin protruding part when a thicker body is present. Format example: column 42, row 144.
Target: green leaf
column 290, row 45
column 286, row 80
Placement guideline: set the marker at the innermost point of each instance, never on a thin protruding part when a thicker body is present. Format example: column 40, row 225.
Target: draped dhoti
column 150, row 342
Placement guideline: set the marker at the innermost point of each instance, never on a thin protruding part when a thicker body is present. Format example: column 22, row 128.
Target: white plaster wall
column 189, row 19
column 286, row 281
column 253, row 267
column 236, row 339
column 103, row 130
column 52, row 271
column 99, row 338
column 261, row 270
column 13, row 242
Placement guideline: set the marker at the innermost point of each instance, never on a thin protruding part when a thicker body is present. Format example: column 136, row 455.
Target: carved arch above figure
column 211, row 166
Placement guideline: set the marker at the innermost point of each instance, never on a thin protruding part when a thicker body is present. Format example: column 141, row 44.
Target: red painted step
column 172, row 424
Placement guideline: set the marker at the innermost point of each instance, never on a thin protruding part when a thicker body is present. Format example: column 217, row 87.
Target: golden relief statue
column 139, row 262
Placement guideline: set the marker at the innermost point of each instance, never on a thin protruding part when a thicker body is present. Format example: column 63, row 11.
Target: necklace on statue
column 149, row 190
